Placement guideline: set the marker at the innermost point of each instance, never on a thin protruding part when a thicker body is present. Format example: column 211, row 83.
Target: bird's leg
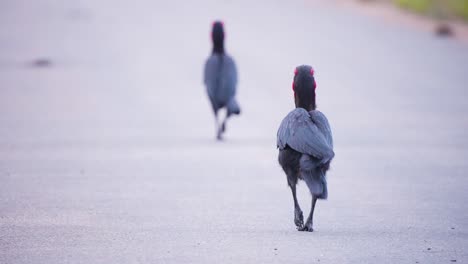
column 298, row 217
column 310, row 220
column 218, row 129
column 223, row 125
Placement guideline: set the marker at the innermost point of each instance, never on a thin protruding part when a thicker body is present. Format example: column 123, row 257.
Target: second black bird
column 220, row 78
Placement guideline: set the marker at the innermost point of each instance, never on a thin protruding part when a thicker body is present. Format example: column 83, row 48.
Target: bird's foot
column 298, row 218
column 307, row 227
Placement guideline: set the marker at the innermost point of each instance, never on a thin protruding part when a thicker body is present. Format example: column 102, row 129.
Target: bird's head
column 304, row 86
column 217, row 36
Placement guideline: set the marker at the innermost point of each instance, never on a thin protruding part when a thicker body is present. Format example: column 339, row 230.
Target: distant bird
column 444, row 30
column 220, row 78
column 41, row 63
column 305, row 144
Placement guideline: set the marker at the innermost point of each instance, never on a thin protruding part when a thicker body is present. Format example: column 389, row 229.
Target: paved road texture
column 107, row 150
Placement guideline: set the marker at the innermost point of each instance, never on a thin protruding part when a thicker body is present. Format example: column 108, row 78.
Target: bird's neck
column 308, row 105
column 308, row 109
column 218, row 48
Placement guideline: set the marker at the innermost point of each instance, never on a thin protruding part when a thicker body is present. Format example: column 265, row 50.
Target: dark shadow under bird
column 305, row 145
column 220, row 78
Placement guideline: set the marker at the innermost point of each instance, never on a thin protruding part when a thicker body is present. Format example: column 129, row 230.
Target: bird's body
column 305, row 144
column 305, row 148
column 220, row 79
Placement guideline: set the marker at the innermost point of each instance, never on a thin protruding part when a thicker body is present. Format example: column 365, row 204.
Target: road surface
column 107, row 154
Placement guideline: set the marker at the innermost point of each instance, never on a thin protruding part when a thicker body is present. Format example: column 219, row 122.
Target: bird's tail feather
column 317, row 183
column 314, row 177
column 233, row 107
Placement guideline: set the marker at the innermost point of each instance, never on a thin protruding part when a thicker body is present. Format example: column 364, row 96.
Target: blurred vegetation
column 437, row 8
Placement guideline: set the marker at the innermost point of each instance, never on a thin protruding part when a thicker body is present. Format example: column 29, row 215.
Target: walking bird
column 220, row 78
column 305, row 144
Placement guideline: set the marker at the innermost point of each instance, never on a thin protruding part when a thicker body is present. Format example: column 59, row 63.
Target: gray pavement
column 108, row 155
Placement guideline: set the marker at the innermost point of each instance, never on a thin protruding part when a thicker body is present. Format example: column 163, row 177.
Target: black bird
column 305, row 145
column 220, row 79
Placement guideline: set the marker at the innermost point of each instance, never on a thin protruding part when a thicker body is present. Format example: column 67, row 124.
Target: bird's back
column 306, row 132
column 220, row 78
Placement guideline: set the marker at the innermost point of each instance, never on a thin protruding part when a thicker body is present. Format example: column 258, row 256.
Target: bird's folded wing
column 299, row 132
column 232, row 70
column 229, row 76
column 211, row 71
column 322, row 124
column 220, row 77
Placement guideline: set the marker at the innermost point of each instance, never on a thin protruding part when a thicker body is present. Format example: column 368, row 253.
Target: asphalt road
column 107, row 154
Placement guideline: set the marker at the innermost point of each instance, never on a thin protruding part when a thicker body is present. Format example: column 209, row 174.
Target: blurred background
column 107, row 147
